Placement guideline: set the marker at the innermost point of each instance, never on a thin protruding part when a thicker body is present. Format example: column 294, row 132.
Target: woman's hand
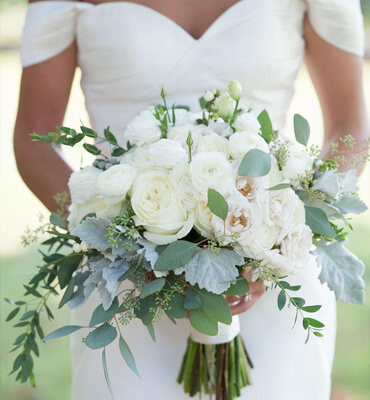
column 240, row 304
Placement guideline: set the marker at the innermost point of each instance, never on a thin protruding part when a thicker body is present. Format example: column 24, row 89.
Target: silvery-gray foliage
column 150, row 254
column 328, row 209
column 105, row 278
column 213, row 272
column 328, row 183
column 348, row 181
column 350, row 204
column 93, row 231
column 342, row 271
column 78, row 298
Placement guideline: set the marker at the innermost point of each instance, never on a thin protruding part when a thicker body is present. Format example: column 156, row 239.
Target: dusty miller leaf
column 94, row 231
column 350, row 204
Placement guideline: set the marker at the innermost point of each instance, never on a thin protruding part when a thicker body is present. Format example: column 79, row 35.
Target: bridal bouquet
column 171, row 223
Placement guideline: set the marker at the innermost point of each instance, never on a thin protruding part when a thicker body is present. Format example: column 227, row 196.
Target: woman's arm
column 337, row 77
column 44, row 94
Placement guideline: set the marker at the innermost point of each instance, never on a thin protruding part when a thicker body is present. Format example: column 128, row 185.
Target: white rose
column 181, row 132
column 101, row 209
column 82, row 185
column 286, row 208
column 235, row 89
column 156, row 203
column 221, row 128
column 297, row 163
column 143, row 129
column 243, row 217
column 225, row 106
column 183, row 116
column 180, row 175
column 247, row 122
column 167, row 153
column 297, row 244
column 241, row 142
column 274, row 260
column 203, row 220
column 114, row 183
column 214, row 142
column 261, row 239
column 211, row 170
column 137, row 157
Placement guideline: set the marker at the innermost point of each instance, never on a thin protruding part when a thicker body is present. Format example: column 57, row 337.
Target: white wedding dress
column 127, row 52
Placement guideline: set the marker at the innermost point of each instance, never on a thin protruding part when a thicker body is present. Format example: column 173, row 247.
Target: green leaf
column 318, row 334
column 298, row 301
column 216, row 307
column 41, row 138
column 255, row 163
column 57, row 220
column 106, row 374
column 315, row 323
column 101, row 336
column 266, row 126
column 176, row 255
column 152, row 287
column 317, row 220
column 32, row 291
column 192, row 299
column 311, row 309
column 281, row 300
column 301, row 129
column 68, row 293
column 109, row 135
column 176, row 307
column 13, row 314
column 28, row 315
column 127, row 355
column 241, row 286
column 151, row 332
column 89, row 132
column 63, row 331
column 100, row 315
column 201, row 322
column 217, row 204
column 91, row 149
column 280, row 186
column 305, row 323
column 67, row 267
column 118, row 151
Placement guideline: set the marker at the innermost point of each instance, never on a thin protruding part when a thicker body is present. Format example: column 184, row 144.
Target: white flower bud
column 85, row 246
column 235, row 90
column 77, row 248
column 208, row 96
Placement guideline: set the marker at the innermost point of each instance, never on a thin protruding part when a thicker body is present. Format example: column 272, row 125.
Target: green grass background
column 19, row 208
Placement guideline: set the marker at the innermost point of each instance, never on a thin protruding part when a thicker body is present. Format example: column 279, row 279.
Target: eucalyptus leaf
column 213, row 272
column 106, row 374
column 192, row 299
column 176, row 255
column 280, row 186
column 152, row 287
column 176, row 307
column 101, row 336
column 255, row 163
column 301, row 129
column 241, row 286
column 328, row 209
column 317, row 220
column 342, row 271
column 57, row 220
column 217, row 204
column 100, row 315
column 63, row 331
column 266, row 126
column 127, row 355
column 201, row 322
column 281, row 300
column 216, row 307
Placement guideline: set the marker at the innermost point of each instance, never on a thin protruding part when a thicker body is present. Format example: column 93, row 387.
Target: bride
column 127, row 51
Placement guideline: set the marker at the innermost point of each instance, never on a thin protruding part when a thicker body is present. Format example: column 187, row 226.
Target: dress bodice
column 127, row 51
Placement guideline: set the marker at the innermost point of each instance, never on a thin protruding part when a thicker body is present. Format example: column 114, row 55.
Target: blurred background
column 19, row 208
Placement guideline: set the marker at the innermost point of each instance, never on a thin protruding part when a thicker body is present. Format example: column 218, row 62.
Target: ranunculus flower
column 241, row 142
column 82, row 185
column 274, row 260
column 180, row 133
column 143, row 129
column 297, row 163
column 203, row 220
column 210, row 170
column 214, row 142
column 247, row 122
column 225, row 106
column 221, row 128
column 157, row 206
column 166, row 153
column 138, row 158
column 114, row 183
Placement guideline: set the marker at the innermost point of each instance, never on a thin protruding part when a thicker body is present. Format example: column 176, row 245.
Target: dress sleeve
column 49, row 29
column 339, row 22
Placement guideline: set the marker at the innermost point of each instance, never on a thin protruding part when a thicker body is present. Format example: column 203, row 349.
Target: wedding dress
column 127, row 52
